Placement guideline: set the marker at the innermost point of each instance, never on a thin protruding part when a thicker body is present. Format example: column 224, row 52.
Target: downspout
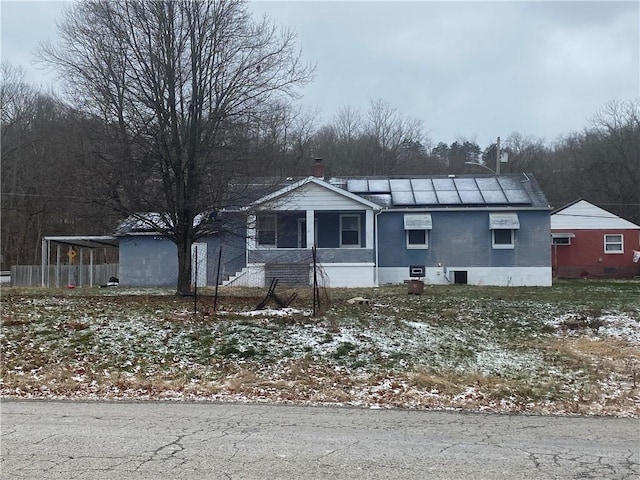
column 376, row 279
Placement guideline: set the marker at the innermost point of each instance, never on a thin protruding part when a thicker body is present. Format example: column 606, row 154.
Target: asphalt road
column 164, row 440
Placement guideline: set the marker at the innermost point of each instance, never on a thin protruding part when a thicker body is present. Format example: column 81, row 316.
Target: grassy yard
column 573, row 348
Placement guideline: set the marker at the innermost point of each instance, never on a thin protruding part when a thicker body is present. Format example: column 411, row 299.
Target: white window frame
column 261, row 217
column 417, row 245
column 503, row 246
column 561, row 240
column 417, row 222
column 608, row 243
column 342, row 230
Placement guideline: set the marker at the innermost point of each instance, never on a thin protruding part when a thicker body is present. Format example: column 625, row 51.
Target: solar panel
column 487, row 183
column 400, row 185
column 448, row 197
column 441, row 191
column 470, row 196
column 421, row 184
column 425, row 197
column 443, row 184
column 379, row 186
column 403, row 198
column 494, row 196
column 357, row 185
column 465, row 184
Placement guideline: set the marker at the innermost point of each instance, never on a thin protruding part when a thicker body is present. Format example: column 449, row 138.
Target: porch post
column 251, row 234
column 80, row 265
column 43, row 260
column 91, row 267
column 369, row 229
column 311, row 228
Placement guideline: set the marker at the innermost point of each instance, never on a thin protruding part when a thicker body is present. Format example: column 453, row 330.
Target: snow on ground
column 284, row 355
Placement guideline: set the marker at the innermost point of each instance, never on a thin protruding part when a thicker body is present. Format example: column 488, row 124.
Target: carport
column 75, row 260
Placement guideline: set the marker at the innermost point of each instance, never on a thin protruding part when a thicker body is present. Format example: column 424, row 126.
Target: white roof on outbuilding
column 583, row 215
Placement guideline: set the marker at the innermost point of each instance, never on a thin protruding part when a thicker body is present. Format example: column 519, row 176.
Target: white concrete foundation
column 495, row 276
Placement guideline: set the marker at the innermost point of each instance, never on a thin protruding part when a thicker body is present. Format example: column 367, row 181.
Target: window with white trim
column 561, row 241
column 267, row 230
column 561, row 238
column 417, row 226
column 349, row 230
column 613, row 244
column 417, row 238
column 502, row 238
column 503, row 226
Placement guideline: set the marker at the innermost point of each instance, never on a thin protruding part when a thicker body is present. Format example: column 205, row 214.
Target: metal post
column 498, row 157
column 44, row 261
column 58, row 271
column 195, row 285
column 215, row 296
column 80, row 265
column 91, row 267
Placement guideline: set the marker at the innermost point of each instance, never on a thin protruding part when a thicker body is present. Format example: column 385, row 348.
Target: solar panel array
column 443, row 191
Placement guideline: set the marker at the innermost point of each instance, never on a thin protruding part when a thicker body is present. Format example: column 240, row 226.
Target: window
column 417, row 239
column 267, row 230
column 561, row 238
column 417, row 228
column 613, row 244
column 503, row 227
column 561, row 241
column 349, row 230
column 502, row 238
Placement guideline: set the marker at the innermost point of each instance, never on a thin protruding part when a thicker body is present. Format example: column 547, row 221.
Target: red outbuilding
column 588, row 241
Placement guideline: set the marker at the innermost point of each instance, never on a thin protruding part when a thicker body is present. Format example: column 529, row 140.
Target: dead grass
column 496, row 349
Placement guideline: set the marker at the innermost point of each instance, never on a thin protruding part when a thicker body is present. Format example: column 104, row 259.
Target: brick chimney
column 318, row 168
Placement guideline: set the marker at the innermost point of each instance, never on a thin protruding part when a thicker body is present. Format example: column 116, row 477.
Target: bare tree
column 611, row 148
column 170, row 82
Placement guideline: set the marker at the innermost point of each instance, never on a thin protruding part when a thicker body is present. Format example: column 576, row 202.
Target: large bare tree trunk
column 168, row 79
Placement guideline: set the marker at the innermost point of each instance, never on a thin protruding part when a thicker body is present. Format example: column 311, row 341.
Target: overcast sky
column 473, row 70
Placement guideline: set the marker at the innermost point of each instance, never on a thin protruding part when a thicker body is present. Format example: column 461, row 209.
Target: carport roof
column 86, row 241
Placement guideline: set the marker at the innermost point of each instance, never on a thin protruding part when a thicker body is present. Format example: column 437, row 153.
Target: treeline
column 50, row 188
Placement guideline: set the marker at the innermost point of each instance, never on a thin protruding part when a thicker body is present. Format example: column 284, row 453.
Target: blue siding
column 148, row 261
column 152, row 261
column 464, row 239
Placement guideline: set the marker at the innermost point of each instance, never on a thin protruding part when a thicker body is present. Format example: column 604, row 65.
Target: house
column 588, row 241
column 367, row 231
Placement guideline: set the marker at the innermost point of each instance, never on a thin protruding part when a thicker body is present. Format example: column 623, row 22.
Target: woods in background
column 46, row 144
